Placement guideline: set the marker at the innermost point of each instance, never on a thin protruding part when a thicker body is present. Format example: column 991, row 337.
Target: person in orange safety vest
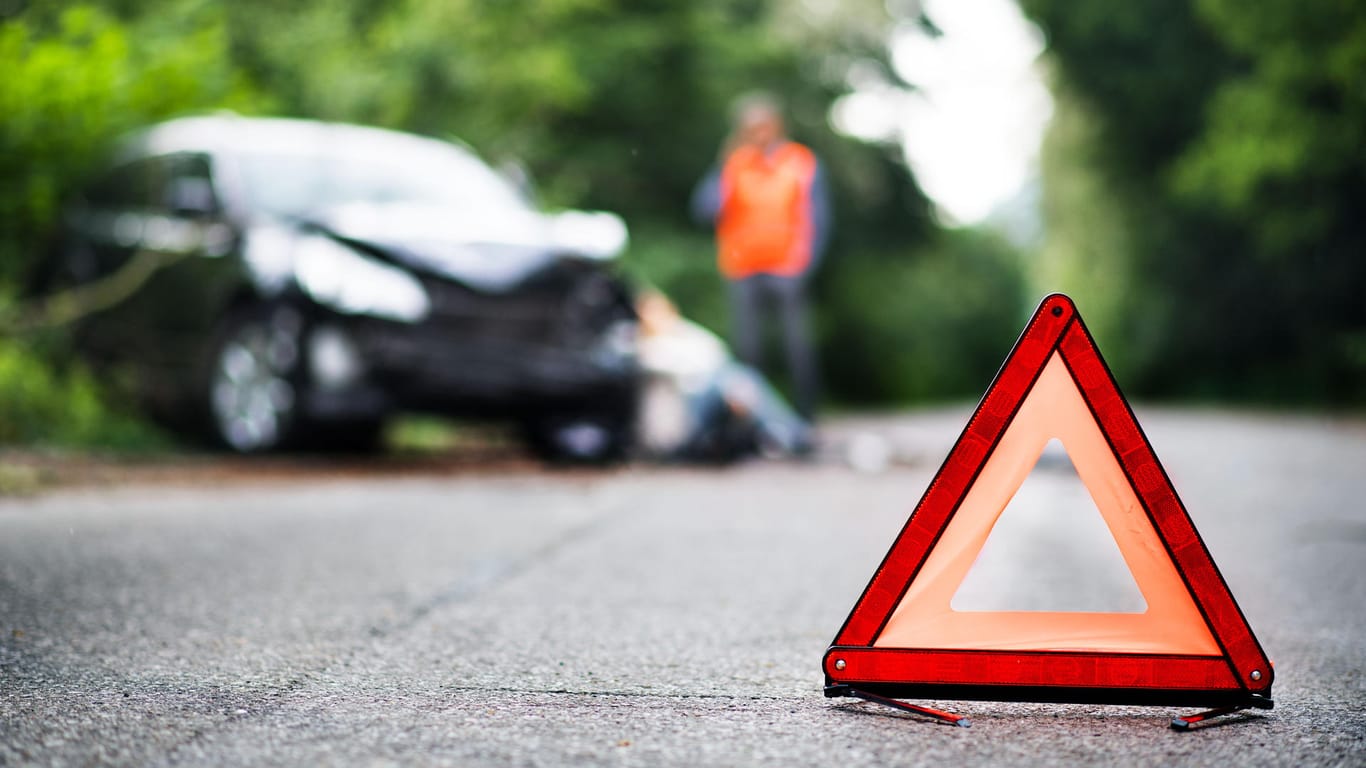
column 771, row 210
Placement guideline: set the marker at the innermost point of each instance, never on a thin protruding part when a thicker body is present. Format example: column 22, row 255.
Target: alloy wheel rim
column 252, row 396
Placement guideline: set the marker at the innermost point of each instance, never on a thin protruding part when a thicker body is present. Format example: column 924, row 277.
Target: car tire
column 592, row 437
column 343, row 438
column 251, row 390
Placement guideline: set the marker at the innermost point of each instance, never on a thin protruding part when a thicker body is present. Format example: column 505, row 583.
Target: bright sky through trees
column 972, row 127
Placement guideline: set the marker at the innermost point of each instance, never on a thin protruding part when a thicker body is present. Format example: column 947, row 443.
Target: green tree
column 1283, row 158
column 1228, row 142
column 74, row 80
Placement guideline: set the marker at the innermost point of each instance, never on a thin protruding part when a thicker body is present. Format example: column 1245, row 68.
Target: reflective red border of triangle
column 1242, row 670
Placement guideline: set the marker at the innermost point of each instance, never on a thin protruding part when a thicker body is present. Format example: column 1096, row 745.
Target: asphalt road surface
column 643, row 616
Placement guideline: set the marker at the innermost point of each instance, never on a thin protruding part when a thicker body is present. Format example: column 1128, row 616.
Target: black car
column 309, row 279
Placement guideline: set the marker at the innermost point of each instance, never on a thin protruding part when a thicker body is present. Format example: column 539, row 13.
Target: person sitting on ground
column 698, row 403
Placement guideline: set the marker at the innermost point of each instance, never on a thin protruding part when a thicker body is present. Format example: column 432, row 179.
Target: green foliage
column 1229, row 141
column 615, row 104
column 74, row 82
column 932, row 323
column 42, row 404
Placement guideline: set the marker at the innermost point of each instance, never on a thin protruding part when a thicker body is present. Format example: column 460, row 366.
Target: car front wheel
column 254, row 379
column 601, row 435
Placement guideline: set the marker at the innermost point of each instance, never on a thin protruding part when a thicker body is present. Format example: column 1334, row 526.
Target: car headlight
column 338, row 277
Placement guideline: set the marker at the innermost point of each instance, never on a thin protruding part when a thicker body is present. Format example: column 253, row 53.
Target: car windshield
column 372, row 169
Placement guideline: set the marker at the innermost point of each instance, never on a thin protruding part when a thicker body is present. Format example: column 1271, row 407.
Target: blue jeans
column 738, row 394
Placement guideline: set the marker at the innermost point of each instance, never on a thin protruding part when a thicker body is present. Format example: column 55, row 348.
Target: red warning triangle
column 1191, row 646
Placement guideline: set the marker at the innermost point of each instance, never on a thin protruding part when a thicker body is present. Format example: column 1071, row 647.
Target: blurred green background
column 1203, row 177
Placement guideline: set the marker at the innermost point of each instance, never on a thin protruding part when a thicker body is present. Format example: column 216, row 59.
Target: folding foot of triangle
column 1190, row 646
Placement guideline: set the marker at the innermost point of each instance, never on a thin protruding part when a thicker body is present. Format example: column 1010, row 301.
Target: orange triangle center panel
column 1190, row 645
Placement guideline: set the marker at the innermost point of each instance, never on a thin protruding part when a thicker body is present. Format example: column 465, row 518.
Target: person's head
column 758, row 120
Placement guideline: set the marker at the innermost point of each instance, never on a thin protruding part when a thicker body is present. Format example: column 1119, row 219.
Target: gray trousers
column 752, row 300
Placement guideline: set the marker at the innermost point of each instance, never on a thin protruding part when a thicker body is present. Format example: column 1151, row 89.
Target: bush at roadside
column 48, row 405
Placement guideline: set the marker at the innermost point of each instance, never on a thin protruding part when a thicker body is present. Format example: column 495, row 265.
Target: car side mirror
column 191, row 197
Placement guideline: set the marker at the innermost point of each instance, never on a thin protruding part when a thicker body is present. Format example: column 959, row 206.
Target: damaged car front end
column 357, row 273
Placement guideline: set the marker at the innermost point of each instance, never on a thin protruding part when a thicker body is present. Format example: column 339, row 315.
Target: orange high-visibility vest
column 765, row 223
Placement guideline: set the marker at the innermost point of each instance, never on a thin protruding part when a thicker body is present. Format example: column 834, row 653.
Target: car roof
column 232, row 134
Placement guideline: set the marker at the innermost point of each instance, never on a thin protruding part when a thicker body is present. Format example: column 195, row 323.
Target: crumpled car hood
column 494, row 252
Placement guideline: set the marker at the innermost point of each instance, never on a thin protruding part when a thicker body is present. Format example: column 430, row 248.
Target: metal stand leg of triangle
column 1188, row 722
column 915, row 709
